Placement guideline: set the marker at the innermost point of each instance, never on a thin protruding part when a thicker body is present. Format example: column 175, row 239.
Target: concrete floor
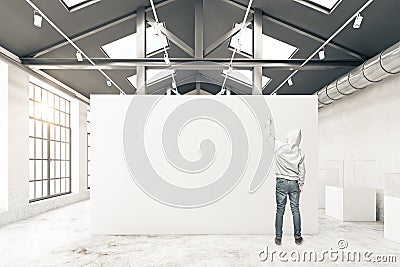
column 62, row 238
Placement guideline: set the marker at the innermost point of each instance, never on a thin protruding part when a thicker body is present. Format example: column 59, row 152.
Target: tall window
column 49, row 144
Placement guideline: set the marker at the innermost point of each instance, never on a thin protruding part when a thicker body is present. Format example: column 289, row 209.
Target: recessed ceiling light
column 109, row 83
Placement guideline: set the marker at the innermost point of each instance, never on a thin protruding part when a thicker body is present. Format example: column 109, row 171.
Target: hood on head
column 294, row 137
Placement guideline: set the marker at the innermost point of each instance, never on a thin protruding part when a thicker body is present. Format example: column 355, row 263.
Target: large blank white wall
column 364, row 126
column 119, row 206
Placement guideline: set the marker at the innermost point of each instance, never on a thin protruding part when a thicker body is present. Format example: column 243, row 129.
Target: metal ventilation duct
column 372, row 71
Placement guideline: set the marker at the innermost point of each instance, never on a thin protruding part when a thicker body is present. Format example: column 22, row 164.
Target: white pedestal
column 392, row 218
column 350, row 203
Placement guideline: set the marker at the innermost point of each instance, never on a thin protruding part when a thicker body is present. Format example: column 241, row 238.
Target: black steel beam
column 186, row 63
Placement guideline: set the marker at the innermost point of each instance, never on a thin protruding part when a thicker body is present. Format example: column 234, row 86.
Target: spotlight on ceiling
column 109, row 83
column 157, row 28
column 230, row 68
column 166, row 59
column 321, row 54
column 37, row 19
column 358, row 20
column 79, row 56
column 290, row 82
column 174, row 84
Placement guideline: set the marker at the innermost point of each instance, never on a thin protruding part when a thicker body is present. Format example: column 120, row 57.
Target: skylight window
column 126, row 46
column 325, row 6
column 152, row 76
column 245, row 77
column 74, row 5
column 246, row 47
column 271, row 48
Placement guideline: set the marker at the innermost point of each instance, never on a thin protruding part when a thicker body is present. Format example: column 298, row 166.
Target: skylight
column 246, row 77
column 152, row 76
column 126, row 46
column 246, row 48
column 325, row 6
column 73, row 5
column 271, row 48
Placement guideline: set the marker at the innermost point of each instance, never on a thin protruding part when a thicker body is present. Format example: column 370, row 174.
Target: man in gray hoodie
column 290, row 176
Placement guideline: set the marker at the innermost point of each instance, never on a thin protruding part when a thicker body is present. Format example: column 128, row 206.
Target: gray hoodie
column 290, row 158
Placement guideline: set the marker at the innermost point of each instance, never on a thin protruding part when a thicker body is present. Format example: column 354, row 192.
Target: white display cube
column 350, row 203
column 392, row 207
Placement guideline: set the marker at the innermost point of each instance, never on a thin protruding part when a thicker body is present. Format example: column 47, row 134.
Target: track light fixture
column 157, row 28
column 79, row 56
column 230, row 68
column 358, row 20
column 239, row 44
column 37, row 19
column 321, row 54
column 109, row 83
column 290, row 82
column 166, row 59
column 221, row 92
column 174, row 84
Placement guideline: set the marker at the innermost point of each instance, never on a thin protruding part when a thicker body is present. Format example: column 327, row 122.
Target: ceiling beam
column 186, row 63
column 198, row 28
column 304, row 32
column 94, row 30
column 173, row 38
column 225, row 37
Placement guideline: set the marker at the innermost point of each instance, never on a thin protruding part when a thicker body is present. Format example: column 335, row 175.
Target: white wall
column 15, row 156
column 3, row 136
column 364, row 126
column 118, row 206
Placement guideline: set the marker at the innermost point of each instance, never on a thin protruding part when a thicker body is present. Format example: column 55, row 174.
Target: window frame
column 79, row 6
column 148, row 54
column 45, row 161
column 319, row 7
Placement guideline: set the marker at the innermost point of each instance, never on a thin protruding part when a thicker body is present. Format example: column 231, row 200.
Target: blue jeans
column 285, row 187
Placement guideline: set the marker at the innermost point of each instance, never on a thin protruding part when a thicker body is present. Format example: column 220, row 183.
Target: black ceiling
column 18, row 35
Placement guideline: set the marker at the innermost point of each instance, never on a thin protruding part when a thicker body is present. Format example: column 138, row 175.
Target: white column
column 18, row 141
column 3, row 136
column 257, row 52
column 141, row 49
